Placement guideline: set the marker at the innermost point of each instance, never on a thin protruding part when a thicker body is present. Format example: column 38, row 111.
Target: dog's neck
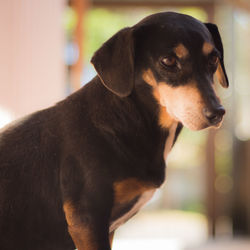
column 148, row 95
column 140, row 110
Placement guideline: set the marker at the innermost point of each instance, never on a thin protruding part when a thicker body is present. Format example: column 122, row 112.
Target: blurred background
column 45, row 49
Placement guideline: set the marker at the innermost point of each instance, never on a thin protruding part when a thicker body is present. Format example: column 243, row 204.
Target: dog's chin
column 199, row 126
column 218, row 125
column 195, row 125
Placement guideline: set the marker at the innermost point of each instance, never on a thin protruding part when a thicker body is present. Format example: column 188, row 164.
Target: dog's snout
column 215, row 115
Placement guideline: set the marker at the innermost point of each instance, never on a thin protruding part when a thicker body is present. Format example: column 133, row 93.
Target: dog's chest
column 131, row 194
column 123, row 212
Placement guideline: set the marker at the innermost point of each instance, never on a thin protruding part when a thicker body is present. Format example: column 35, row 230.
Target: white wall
column 31, row 55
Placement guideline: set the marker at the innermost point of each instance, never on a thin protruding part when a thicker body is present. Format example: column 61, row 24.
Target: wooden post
column 80, row 7
column 210, row 181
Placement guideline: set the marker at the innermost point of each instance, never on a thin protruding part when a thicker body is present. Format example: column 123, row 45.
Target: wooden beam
column 110, row 3
column 244, row 5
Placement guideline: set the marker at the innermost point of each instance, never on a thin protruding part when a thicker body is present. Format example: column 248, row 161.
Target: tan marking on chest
column 124, row 192
column 128, row 189
column 144, row 198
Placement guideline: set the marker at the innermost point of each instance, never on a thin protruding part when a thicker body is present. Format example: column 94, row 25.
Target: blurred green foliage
column 69, row 22
column 198, row 13
column 102, row 23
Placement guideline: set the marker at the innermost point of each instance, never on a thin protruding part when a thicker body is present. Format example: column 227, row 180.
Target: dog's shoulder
column 26, row 139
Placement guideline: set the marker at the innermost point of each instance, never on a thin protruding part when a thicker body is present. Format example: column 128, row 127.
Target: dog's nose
column 214, row 115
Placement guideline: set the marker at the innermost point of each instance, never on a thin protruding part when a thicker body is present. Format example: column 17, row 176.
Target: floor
column 168, row 244
column 232, row 244
column 171, row 230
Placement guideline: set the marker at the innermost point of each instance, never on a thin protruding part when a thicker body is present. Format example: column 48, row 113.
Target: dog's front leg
column 88, row 229
column 87, row 199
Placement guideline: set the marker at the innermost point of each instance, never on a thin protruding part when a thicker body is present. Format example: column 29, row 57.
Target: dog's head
column 177, row 56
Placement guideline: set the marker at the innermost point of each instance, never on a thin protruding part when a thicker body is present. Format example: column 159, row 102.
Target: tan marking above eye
column 207, row 48
column 181, row 51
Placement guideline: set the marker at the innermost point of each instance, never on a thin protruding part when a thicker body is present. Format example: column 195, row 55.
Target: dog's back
column 34, row 150
column 29, row 186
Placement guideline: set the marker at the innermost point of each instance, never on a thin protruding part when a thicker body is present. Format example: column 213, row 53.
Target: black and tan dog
column 71, row 174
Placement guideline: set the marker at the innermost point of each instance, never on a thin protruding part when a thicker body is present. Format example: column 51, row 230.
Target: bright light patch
column 148, row 244
column 5, row 117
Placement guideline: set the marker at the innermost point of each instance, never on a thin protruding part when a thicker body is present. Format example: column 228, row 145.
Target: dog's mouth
column 198, row 120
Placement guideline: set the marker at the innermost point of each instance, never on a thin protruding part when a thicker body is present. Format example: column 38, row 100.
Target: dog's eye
column 213, row 60
column 169, row 61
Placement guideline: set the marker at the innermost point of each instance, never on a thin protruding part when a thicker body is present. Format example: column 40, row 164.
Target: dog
column 71, row 174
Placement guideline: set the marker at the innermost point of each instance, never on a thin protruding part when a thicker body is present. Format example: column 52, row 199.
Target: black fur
column 106, row 132
column 213, row 29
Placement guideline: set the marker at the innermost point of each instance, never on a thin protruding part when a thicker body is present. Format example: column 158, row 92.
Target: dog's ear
column 221, row 72
column 114, row 63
